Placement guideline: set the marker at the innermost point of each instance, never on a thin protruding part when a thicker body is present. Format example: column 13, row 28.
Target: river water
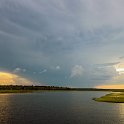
column 59, row 107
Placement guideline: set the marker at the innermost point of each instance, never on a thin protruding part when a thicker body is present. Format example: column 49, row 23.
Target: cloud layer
column 59, row 39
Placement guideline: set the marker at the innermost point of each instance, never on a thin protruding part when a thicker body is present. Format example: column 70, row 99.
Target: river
column 59, row 107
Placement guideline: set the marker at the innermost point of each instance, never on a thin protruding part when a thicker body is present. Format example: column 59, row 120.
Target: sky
column 75, row 43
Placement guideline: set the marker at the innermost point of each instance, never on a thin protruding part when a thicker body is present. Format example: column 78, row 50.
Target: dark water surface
column 67, row 107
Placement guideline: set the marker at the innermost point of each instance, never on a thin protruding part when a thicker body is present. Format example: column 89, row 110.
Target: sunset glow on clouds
column 120, row 68
column 117, row 80
column 113, row 86
column 12, row 79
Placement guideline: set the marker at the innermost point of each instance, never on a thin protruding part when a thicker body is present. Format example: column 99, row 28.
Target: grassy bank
column 112, row 97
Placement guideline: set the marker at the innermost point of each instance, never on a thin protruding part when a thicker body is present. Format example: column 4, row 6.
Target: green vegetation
column 22, row 88
column 27, row 89
column 112, row 97
column 37, row 88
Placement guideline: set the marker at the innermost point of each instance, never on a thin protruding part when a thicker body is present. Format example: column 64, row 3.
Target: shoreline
column 111, row 98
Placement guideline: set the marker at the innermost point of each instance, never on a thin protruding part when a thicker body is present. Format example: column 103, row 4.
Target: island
column 116, row 97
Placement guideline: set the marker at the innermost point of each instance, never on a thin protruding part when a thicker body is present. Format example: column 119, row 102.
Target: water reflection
column 4, row 108
column 121, row 112
column 60, row 107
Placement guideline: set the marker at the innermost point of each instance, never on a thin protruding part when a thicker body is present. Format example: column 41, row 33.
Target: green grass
column 112, row 97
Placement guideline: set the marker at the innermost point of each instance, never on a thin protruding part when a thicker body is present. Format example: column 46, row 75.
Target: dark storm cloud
column 38, row 35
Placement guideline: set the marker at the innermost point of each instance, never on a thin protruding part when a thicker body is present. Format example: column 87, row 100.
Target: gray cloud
column 61, row 34
column 17, row 70
column 43, row 71
column 121, row 57
column 77, row 70
column 107, row 64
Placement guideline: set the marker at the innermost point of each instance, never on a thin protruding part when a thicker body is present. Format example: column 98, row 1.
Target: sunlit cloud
column 13, row 79
column 113, row 86
column 119, row 68
column 116, row 81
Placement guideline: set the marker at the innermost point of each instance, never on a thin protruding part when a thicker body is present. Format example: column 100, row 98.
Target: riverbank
column 112, row 97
